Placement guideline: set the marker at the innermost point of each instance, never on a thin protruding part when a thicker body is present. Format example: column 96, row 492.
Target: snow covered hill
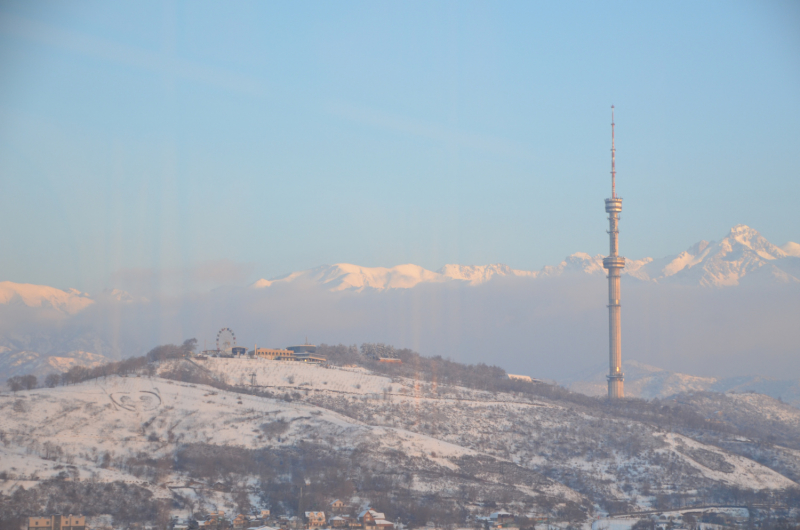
column 125, row 417
column 742, row 255
column 33, row 363
column 641, row 380
column 648, row 382
column 526, row 451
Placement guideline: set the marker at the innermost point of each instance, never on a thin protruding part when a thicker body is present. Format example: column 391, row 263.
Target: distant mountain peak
column 750, row 238
column 743, row 229
column 791, row 249
column 69, row 302
column 122, row 296
column 743, row 252
column 698, row 247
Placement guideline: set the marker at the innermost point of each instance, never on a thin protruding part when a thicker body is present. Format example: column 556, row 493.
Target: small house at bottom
column 315, row 519
column 373, row 520
column 57, row 522
column 501, row 517
column 240, row 522
column 337, row 521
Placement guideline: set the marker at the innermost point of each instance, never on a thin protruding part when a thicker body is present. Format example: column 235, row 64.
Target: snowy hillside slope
column 648, row 382
column 641, row 380
column 761, row 415
column 448, row 440
column 139, row 415
column 29, row 362
column 468, row 411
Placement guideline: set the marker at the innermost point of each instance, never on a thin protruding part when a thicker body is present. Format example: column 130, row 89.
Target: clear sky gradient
column 146, row 136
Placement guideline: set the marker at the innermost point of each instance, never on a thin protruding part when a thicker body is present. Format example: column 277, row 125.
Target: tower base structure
column 615, row 387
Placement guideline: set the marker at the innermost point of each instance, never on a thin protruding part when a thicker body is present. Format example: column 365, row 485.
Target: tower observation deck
column 614, row 263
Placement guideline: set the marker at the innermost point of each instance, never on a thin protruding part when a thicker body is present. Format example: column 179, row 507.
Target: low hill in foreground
column 421, row 443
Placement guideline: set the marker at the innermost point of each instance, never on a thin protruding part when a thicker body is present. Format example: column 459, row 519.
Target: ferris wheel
column 225, row 339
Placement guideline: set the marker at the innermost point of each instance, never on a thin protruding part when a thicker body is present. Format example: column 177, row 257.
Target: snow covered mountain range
column 26, row 362
column 742, row 255
column 466, row 312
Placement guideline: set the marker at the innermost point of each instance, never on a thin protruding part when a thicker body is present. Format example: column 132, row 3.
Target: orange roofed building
column 57, row 522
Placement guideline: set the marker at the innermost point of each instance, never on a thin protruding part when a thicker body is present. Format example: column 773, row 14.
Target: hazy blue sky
column 281, row 136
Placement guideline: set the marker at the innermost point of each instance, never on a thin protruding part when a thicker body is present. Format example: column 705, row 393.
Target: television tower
column 614, row 263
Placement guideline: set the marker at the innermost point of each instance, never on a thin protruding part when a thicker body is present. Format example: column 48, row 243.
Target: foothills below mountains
column 425, row 440
column 649, row 382
column 716, row 306
column 32, row 363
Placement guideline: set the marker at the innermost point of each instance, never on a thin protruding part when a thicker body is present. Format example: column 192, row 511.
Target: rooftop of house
column 373, row 513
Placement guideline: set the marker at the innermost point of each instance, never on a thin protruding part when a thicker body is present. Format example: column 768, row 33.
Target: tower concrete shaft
column 614, row 263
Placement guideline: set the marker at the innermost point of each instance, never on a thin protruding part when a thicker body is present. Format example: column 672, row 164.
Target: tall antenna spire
column 613, row 156
column 614, row 263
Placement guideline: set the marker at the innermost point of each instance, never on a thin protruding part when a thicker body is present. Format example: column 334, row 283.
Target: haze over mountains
column 743, row 255
column 718, row 309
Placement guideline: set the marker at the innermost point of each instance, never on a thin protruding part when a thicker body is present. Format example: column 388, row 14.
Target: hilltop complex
column 226, row 347
column 304, row 353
